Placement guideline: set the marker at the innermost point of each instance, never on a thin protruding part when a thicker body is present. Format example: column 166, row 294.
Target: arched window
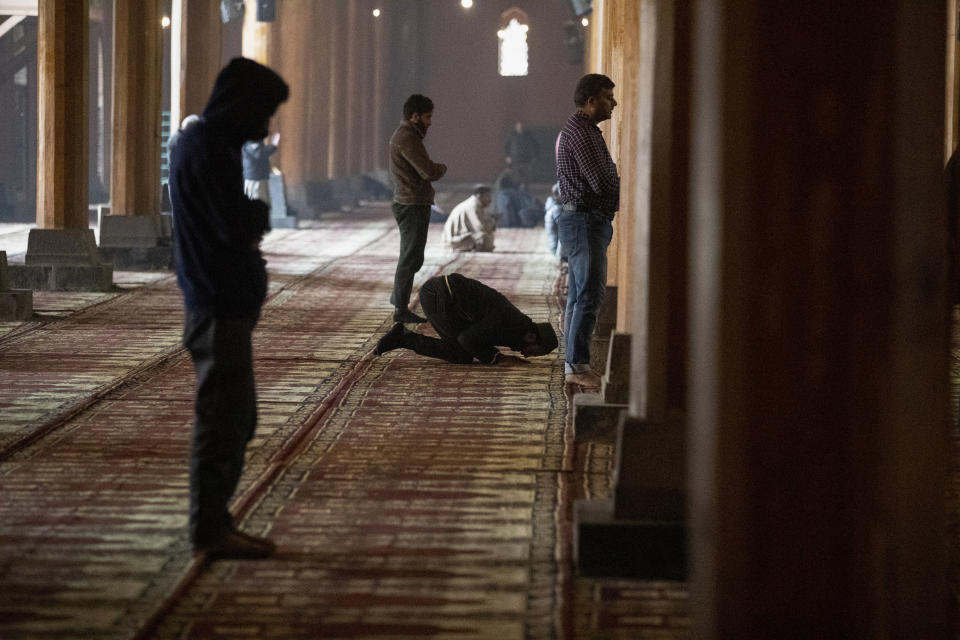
column 513, row 42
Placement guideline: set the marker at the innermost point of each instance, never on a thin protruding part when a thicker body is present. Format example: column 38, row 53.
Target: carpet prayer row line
column 409, row 497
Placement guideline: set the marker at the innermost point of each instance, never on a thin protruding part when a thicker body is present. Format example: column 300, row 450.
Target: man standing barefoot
column 589, row 198
column 412, row 171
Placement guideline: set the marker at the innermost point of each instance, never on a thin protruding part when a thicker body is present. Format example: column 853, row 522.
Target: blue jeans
column 585, row 237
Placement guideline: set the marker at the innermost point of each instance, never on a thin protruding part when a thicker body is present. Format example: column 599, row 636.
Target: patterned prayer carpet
column 410, row 498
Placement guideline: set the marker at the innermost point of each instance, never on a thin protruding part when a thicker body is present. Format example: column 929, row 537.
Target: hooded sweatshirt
column 216, row 227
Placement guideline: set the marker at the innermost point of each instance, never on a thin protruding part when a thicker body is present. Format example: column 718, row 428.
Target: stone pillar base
column 136, row 243
column 615, row 384
column 278, row 204
column 62, row 260
column 639, row 531
column 15, row 304
column 63, row 277
column 595, row 420
column 607, row 314
column 606, row 323
column 139, row 258
column 284, row 222
column 611, row 547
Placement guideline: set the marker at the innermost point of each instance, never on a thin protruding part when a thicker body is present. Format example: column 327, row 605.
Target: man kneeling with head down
column 472, row 319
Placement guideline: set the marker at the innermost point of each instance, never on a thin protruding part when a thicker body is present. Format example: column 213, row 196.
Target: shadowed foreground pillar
column 640, row 530
column 62, row 252
column 819, row 352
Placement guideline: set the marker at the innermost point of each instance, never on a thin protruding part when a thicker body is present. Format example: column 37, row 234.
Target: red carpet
column 410, row 498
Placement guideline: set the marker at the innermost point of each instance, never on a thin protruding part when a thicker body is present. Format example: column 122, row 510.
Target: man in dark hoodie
column 217, row 232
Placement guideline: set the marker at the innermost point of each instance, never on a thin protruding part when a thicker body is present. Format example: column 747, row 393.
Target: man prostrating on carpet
column 472, row 320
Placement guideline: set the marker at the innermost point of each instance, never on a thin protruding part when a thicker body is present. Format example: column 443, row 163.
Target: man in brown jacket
column 412, row 171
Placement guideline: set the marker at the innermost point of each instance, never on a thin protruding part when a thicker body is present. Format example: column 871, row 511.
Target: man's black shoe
column 391, row 340
column 237, row 544
column 405, row 315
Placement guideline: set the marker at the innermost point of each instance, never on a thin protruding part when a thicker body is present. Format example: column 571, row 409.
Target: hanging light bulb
column 376, row 13
column 466, row 4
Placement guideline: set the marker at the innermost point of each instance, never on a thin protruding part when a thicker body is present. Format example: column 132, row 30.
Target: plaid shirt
column 586, row 172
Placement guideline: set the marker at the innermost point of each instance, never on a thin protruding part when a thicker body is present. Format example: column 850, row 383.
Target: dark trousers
column 225, row 417
column 448, row 321
column 413, row 220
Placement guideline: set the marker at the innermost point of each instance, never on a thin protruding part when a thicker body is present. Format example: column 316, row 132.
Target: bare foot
column 587, row 380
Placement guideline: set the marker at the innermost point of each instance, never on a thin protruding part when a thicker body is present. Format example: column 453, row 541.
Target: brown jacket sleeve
column 411, row 148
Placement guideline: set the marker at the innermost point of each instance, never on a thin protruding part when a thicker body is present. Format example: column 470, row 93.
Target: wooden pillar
column 135, row 235
column 63, row 135
column 367, row 116
column 319, row 104
column 819, row 351
column 379, row 143
column 200, row 42
column 100, row 44
column 654, row 248
column 135, row 181
column 294, row 21
column 62, row 251
column 606, row 56
column 336, row 142
column 351, row 84
column 256, row 36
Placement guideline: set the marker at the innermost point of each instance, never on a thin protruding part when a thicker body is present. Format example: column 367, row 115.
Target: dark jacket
column 411, row 168
column 216, row 228
column 480, row 317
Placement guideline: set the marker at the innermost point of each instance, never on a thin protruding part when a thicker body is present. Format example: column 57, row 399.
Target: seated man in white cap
column 470, row 226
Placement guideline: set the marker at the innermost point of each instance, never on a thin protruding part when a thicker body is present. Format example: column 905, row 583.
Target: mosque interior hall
column 773, row 450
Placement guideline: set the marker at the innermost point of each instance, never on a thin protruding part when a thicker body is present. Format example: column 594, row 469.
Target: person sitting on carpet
column 470, row 225
column 472, row 319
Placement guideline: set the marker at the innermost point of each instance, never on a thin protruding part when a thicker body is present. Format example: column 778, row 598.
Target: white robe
column 469, row 227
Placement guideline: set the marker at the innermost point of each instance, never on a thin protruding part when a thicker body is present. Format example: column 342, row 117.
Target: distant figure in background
column 256, row 167
column 515, row 206
column 437, row 214
column 412, row 171
column 470, row 226
column 190, row 120
column 172, row 141
column 217, row 233
column 520, row 150
column 551, row 214
column 506, row 201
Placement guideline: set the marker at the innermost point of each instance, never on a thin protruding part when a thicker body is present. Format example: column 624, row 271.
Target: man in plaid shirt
column 589, row 198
